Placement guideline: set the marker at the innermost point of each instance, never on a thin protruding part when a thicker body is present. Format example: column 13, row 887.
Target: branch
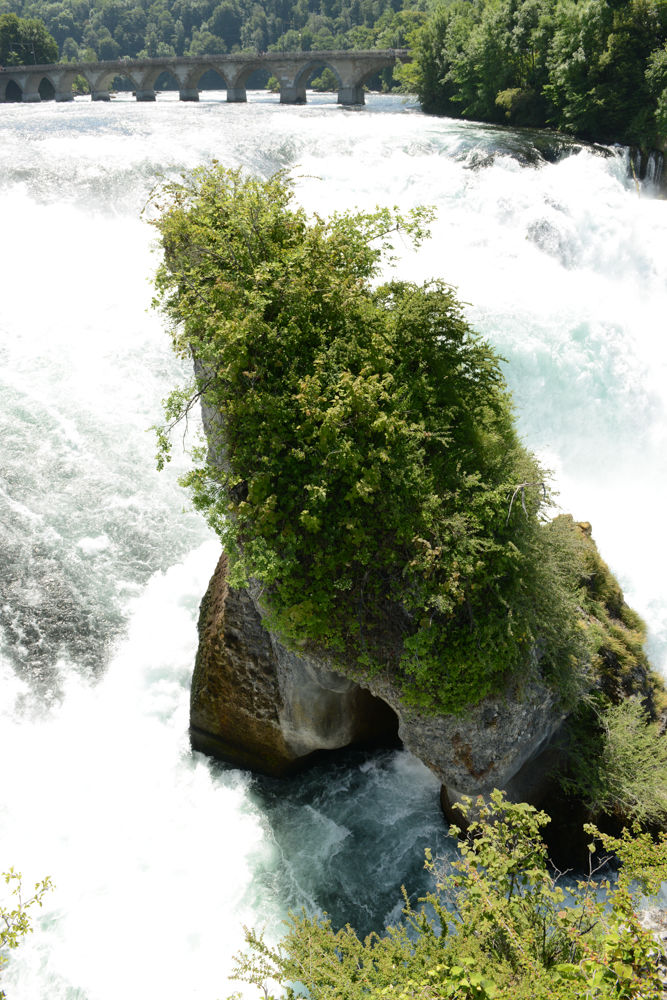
column 521, row 488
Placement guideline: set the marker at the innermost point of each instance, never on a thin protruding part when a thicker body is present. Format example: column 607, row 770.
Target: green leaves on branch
column 15, row 920
column 362, row 456
column 25, row 42
column 618, row 762
column 498, row 924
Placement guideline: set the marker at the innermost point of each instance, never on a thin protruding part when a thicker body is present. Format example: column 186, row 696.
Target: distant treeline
column 108, row 29
column 594, row 68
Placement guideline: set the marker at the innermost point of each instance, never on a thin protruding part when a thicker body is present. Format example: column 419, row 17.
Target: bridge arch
column 100, row 80
column 166, row 80
column 211, row 79
column 238, row 79
column 46, row 89
column 367, row 75
column 13, row 92
column 311, row 67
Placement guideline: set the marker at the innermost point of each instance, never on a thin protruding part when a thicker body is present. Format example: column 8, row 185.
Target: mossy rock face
column 620, row 666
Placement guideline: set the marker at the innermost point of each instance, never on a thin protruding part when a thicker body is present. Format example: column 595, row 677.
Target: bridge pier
column 236, row 95
column 291, row 94
column 64, row 95
column 351, row 95
column 145, row 95
column 188, row 94
column 100, row 95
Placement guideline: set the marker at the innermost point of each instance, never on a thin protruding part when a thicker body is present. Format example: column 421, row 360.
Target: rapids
column 158, row 856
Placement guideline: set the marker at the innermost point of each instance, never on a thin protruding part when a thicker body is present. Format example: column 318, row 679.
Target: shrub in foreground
column 499, row 924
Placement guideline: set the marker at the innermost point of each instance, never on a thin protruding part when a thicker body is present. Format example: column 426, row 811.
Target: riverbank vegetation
column 499, row 925
column 594, row 68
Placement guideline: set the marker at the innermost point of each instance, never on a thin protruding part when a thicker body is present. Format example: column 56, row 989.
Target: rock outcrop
column 257, row 704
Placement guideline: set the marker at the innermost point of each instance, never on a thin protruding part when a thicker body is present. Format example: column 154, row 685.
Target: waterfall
column 159, row 856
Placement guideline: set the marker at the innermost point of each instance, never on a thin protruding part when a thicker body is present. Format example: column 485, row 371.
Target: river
column 158, row 856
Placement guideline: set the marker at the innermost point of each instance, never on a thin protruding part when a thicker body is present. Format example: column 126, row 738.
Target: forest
column 594, row 68
column 110, row 29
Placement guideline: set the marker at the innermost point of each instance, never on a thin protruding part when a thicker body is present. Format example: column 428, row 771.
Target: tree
column 585, row 66
column 656, row 77
column 372, row 483
column 25, row 42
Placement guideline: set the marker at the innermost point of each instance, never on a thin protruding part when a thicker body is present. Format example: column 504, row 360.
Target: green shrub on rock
column 618, row 763
column 363, row 466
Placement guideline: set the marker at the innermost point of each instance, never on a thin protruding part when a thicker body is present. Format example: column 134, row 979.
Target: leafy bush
column 363, row 467
column 25, row 42
column 14, row 916
column 326, row 81
column 618, row 763
column 501, row 926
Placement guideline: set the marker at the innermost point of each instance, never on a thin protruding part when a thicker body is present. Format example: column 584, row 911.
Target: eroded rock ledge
column 256, row 704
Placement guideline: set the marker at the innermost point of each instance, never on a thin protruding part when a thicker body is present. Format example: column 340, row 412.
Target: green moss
column 615, row 631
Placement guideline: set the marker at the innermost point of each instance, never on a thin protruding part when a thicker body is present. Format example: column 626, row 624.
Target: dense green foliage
column 14, row 914
column 109, row 29
column 617, row 759
column 25, row 42
column 368, row 475
column 618, row 762
column 594, row 68
column 498, row 925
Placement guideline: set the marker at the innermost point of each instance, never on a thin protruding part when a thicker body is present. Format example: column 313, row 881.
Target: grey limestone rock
column 257, row 704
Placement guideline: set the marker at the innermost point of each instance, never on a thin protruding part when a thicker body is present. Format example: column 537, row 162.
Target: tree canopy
column 594, row 68
column 25, row 42
column 109, row 29
column 364, row 469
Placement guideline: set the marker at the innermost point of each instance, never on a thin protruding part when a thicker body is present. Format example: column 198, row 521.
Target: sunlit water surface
column 159, row 856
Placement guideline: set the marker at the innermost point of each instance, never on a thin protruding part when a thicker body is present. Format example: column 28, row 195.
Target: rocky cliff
column 259, row 705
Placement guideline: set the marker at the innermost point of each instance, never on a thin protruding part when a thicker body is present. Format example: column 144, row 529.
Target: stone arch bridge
column 292, row 70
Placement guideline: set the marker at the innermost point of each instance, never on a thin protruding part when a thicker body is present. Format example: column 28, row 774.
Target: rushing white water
column 158, row 856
